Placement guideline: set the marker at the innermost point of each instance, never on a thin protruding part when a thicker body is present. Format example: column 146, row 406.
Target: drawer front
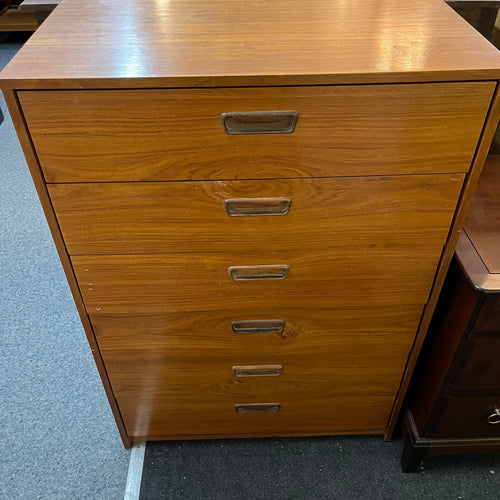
column 479, row 370
column 184, row 388
column 393, row 211
column 172, row 374
column 131, row 135
column 186, row 364
column 303, row 415
column 258, row 376
column 212, row 332
column 468, row 418
column 132, row 344
column 351, row 278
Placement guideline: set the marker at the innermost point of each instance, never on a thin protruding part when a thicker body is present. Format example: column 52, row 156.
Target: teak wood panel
column 127, row 337
column 190, row 377
column 177, row 369
column 116, row 218
column 335, row 353
column 418, row 43
column 236, row 42
column 133, row 135
column 303, row 415
column 354, row 277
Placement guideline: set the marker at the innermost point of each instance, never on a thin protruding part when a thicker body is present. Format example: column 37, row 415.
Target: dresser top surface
column 144, row 43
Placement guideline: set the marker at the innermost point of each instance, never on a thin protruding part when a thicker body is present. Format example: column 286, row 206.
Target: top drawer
column 133, row 135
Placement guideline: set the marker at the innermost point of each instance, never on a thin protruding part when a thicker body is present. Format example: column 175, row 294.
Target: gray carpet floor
column 58, row 439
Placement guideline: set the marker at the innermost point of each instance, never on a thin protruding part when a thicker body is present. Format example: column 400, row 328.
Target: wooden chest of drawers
column 455, row 407
column 253, row 208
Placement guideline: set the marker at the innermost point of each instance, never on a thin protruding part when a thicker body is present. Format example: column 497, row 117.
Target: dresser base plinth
column 417, row 448
column 259, row 435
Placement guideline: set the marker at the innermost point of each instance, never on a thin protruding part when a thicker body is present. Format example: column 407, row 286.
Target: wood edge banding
column 191, row 82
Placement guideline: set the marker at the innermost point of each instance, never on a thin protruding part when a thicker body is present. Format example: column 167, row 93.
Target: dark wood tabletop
column 479, row 245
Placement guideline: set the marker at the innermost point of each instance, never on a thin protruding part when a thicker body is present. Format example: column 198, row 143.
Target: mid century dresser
column 255, row 203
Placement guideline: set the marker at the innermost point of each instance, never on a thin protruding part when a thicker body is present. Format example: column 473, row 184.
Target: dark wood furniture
column 41, row 8
column 237, row 273
column 456, row 408
column 13, row 19
column 481, row 14
column 27, row 16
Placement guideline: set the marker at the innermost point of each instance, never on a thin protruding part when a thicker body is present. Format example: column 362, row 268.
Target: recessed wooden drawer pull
column 258, row 408
column 257, row 371
column 258, row 326
column 275, row 272
column 245, row 207
column 259, row 122
column 494, row 418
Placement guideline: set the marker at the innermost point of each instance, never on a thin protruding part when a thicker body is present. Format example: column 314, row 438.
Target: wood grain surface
column 396, row 212
column 127, row 338
column 355, row 277
column 306, row 414
column 177, row 134
column 236, row 42
column 178, row 368
column 478, row 273
column 187, row 376
column 483, row 220
column 97, row 135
